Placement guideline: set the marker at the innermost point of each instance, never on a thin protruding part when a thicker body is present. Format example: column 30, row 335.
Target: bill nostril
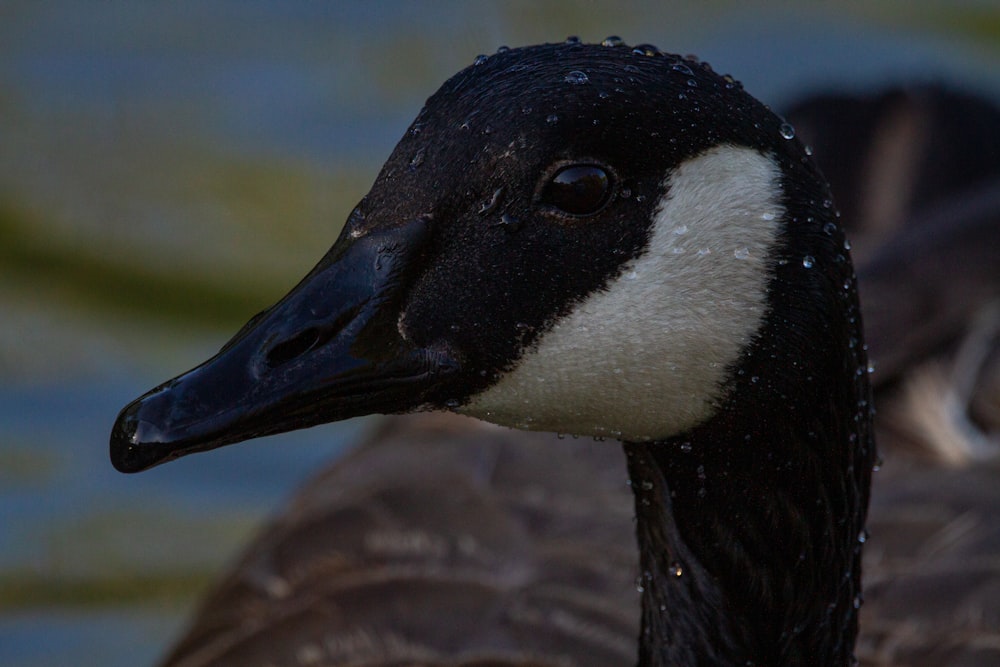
column 286, row 350
column 309, row 338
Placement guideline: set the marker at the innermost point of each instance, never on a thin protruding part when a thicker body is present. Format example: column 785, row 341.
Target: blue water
column 66, row 514
column 106, row 111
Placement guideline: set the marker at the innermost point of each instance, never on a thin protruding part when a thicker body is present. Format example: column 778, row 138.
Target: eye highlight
column 578, row 189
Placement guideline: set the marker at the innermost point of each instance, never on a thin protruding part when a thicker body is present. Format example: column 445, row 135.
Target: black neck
column 750, row 551
column 750, row 526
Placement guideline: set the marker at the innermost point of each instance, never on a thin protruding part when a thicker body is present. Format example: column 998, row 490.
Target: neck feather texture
column 750, row 525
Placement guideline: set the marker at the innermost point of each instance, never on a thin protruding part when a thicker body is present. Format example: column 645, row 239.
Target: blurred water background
column 169, row 169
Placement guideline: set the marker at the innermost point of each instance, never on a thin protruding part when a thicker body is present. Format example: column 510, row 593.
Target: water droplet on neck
column 741, row 253
column 786, row 131
column 576, row 77
column 510, row 224
column 552, row 119
column 490, row 206
column 808, row 261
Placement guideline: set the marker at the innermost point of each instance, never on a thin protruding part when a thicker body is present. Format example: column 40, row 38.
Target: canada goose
column 601, row 241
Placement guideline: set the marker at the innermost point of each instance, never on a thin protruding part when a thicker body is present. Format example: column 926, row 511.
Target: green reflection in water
column 32, row 590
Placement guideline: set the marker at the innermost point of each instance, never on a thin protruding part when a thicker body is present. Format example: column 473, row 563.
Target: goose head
column 601, row 241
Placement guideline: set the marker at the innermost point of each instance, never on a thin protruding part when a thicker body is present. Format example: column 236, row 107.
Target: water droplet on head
column 741, row 253
column 809, row 150
column 692, row 83
column 576, row 77
column 767, row 216
column 572, row 39
column 503, row 49
column 682, row 68
column 829, row 228
column 645, row 50
column 612, row 40
column 808, row 261
column 480, row 59
column 418, row 158
column 552, row 119
column 786, row 131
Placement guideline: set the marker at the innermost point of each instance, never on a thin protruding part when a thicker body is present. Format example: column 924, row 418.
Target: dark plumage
column 450, row 544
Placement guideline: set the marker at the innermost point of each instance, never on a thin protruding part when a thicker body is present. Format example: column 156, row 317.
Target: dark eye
column 578, row 189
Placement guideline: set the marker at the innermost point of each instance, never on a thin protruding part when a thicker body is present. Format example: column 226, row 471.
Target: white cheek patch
column 647, row 357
